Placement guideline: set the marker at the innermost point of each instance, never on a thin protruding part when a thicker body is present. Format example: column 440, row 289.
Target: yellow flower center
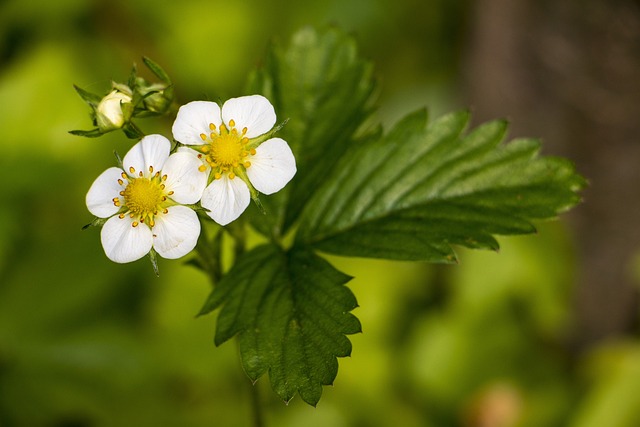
column 226, row 149
column 142, row 198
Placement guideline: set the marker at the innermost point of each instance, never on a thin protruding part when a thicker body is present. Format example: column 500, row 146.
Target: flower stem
column 258, row 417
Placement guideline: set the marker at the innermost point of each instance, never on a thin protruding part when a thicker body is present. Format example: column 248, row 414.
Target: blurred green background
column 544, row 333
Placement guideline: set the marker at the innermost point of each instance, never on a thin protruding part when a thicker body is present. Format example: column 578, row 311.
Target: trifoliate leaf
column 324, row 88
column 290, row 311
column 413, row 193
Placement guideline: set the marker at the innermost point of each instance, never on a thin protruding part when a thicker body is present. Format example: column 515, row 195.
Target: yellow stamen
column 202, row 168
column 232, row 123
column 203, row 137
column 134, row 224
column 232, row 175
column 212, row 126
column 131, row 169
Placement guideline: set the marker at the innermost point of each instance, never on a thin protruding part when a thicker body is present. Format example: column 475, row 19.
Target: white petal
column 193, row 119
column 226, row 199
column 272, row 167
column 254, row 112
column 124, row 243
column 152, row 150
column 102, row 192
column 184, row 178
column 175, row 233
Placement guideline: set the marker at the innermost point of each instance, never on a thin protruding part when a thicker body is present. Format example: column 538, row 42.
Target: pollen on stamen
column 132, row 169
column 134, row 224
column 124, row 176
column 140, row 174
column 121, row 193
column 121, row 182
column 205, row 148
column 232, row 175
column 246, row 164
column 212, row 126
column 244, row 130
column 170, row 193
column 232, row 123
column 150, row 169
column 252, row 151
column 203, row 136
column 165, row 211
column 121, row 216
column 162, row 186
column 164, row 177
column 217, row 175
column 202, row 168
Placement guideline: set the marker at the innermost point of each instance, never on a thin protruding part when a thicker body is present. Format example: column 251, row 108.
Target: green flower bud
column 157, row 97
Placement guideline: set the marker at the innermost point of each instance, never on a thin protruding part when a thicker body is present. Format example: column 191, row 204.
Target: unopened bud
column 111, row 112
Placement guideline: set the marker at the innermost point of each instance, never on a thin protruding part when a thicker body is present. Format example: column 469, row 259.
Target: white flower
column 236, row 152
column 144, row 202
column 109, row 113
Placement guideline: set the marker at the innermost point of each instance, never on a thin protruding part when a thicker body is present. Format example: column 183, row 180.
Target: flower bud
column 111, row 112
column 156, row 97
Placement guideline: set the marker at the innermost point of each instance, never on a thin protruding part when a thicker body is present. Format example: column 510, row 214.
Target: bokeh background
column 544, row 333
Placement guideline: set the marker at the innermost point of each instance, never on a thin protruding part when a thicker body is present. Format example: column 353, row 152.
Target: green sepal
column 92, row 99
column 153, row 257
column 94, row 133
column 97, row 222
column 255, row 142
column 157, row 70
column 132, row 131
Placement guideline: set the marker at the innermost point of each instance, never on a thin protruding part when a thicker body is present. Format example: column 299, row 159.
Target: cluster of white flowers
column 225, row 158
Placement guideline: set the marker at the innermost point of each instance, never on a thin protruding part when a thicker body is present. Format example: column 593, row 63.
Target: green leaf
column 325, row 90
column 290, row 311
column 413, row 193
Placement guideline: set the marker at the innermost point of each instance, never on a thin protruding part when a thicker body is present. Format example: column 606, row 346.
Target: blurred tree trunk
column 569, row 72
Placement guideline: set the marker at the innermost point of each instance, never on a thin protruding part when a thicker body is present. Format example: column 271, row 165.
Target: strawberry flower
column 144, row 202
column 237, row 152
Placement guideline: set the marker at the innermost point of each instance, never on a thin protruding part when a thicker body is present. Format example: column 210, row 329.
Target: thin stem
column 256, row 406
